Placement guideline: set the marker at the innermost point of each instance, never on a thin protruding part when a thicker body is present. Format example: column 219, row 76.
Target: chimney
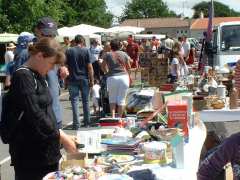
column 201, row 16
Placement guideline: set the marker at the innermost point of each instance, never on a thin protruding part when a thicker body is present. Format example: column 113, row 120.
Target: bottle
column 233, row 97
column 178, row 151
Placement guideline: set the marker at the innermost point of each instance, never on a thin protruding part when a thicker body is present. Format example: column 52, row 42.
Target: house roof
column 203, row 23
column 196, row 24
column 156, row 22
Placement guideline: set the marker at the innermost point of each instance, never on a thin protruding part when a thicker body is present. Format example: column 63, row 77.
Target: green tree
column 92, row 12
column 220, row 10
column 21, row 15
column 146, row 9
column 17, row 16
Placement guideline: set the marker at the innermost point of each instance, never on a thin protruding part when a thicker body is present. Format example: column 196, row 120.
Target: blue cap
column 24, row 40
column 47, row 26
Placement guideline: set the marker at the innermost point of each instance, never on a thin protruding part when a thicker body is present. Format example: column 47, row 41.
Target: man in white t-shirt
column 186, row 46
column 168, row 43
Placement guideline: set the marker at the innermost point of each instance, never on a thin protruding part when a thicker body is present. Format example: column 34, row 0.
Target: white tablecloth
column 220, row 115
column 192, row 151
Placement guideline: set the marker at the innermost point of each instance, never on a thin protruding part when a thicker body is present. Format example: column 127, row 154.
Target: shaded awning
column 8, row 37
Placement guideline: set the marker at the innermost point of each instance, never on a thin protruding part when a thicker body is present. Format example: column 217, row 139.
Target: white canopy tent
column 122, row 32
column 83, row 29
column 149, row 36
column 120, row 29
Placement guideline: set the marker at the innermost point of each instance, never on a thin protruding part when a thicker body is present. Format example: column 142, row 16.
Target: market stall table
column 220, row 115
column 192, row 151
column 222, row 122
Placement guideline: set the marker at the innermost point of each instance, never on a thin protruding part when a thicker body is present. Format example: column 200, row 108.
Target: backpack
column 10, row 115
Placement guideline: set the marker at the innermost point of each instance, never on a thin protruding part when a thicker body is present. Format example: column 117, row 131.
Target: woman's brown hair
column 49, row 47
column 176, row 49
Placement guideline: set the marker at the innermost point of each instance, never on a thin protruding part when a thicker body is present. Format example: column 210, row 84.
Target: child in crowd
column 96, row 96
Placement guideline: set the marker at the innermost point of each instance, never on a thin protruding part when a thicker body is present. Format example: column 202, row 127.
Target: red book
column 177, row 115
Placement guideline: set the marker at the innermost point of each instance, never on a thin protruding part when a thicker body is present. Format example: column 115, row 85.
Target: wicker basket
column 199, row 104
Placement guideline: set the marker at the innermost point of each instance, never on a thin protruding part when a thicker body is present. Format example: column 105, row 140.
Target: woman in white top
column 175, row 65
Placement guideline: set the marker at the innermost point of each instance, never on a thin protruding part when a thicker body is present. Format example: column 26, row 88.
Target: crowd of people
column 38, row 66
column 111, row 60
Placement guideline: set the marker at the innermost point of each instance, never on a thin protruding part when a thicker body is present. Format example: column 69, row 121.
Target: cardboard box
column 178, row 115
column 135, row 75
column 71, row 160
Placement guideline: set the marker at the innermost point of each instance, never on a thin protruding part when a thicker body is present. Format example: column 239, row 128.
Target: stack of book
column 125, row 145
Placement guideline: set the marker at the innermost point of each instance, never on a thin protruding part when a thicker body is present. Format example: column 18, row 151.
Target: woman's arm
column 104, row 66
column 90, row 74
column 128, row 63
column 227, row 152
column 68, row 142
column 102, row 62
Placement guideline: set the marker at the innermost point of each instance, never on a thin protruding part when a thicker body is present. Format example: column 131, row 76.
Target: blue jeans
column 74, row 91
column 54, row 89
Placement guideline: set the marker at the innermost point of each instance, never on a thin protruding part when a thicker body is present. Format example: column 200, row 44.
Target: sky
column 179, row 6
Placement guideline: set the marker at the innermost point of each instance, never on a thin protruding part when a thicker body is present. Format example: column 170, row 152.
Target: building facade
column 173, row 27
column 176, row 27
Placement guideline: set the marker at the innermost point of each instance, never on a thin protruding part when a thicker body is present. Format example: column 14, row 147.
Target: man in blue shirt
column 80, row 79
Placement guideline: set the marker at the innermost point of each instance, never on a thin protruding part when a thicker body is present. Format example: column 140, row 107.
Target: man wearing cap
column 20, row 57
column 47, row 27
column 23, row 41
column 80, row 79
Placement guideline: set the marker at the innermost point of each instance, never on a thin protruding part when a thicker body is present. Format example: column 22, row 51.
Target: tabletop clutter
column 122, row 143
column 155, row 130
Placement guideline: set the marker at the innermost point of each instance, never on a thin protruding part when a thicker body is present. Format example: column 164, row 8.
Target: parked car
column 195, row 43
